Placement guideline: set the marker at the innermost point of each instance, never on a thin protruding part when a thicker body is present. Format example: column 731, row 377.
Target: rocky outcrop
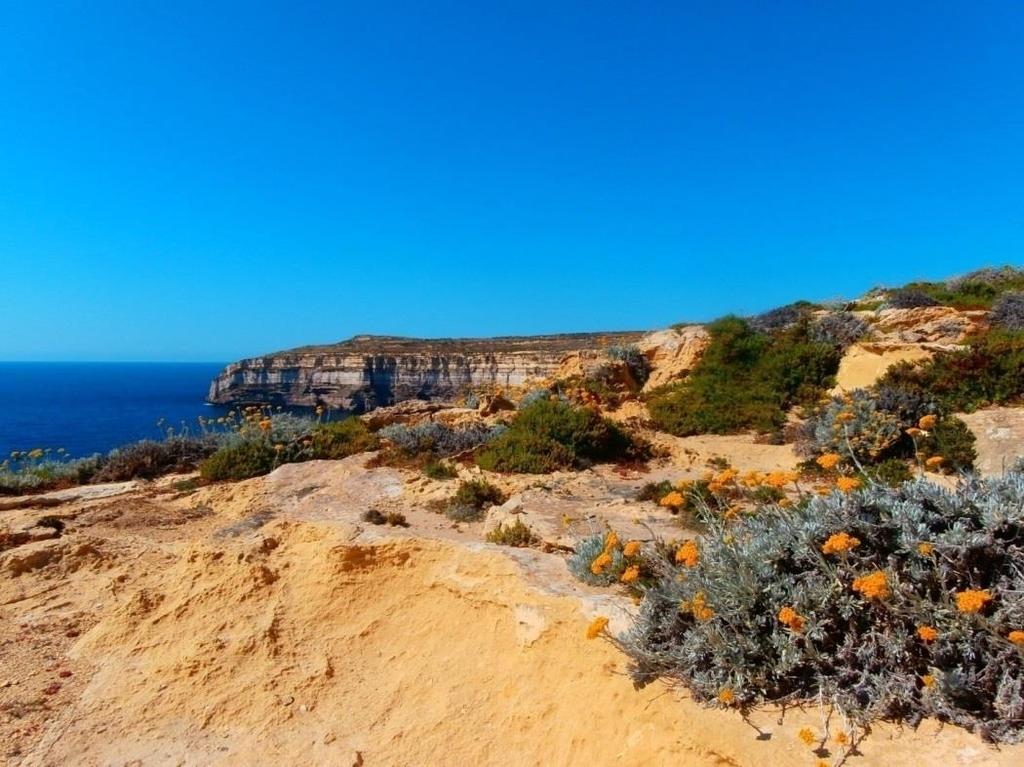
column 369, row 371
column 672, row 353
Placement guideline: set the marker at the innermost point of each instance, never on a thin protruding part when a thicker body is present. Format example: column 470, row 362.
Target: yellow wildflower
column 807, row 736
column 925, row 549
column 688, row 554
column 934, row 462
column 842, row 738
column 779, row 479
column 631, row 549
column 839, row 543
column 596, row 627
column 927, row 633
column 846, row 484
column 828, row 460
column 601, row 561
column 672, row 500
column 726, row 475
column 726, row 696
column 699, row 607
column 928, row 680
column 972, row 600
column 265, row 424
column 874, row 585
column 630, row 574
column 927, row 423
column 1017, row 637
column 791, row 618
column 610, row 541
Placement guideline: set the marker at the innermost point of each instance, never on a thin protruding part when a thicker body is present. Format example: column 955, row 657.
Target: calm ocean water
column 93, row 407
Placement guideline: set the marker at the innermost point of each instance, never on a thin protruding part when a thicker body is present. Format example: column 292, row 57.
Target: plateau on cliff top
column 369, row 371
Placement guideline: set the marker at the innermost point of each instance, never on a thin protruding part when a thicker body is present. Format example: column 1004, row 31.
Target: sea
column 93, row 407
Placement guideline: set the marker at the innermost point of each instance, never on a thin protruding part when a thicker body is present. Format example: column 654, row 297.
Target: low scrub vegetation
column 549, row 434
column 977, row 290
column 747, row 379
column 988, row 371
column 516, row 534
column 472, row 499
column 888, row 603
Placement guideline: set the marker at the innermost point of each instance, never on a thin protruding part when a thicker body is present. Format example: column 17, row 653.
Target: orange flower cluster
column 845, row 416
column 726, row 696
column 925, row 549
column 630, row 574
column 596, row 627
column 673, row 500
column 699, row 607
column 631, row 549
column 928, row 680
column 807, row 736
column 846, row 484
column 779, row 479
column 828, row 460
column 688, row 554
column 927, row 633
column 927, row 422
column 972, row 600
column 934, row 462
column 265, row 425
column 791, row 618
column 601, row 561
column 1017, row 637
column 840, row 543
column 874, row 585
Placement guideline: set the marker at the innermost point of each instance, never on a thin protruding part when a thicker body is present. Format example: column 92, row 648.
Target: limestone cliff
column 368, row 371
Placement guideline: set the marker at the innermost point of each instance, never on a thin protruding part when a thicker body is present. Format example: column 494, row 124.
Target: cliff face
column 369, row 371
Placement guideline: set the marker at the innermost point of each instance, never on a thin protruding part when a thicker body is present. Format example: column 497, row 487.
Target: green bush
column 472, row 499
column 891, row 472
column 989, row 370
column 953, row 441
column 435, row 469
column 746, row 380
column 548, row 435
column 340, row 439
column 249, row 458
column 516, row 534
column 917, row 613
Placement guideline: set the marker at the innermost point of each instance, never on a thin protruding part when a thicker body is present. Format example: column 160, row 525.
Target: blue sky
column 204, row 181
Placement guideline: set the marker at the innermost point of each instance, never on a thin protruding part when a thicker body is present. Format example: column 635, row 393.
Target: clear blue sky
column 204, row 180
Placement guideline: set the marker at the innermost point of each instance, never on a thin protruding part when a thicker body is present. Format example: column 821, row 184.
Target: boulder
column 672, row 353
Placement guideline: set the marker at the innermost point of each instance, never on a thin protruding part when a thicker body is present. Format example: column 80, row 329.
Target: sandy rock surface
column 264, row 623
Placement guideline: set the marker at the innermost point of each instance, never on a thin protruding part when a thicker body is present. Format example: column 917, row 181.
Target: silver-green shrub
column 719, row 624
column 854, row 424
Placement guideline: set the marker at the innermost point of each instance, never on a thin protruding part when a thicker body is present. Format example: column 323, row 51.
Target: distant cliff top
column 562, row 342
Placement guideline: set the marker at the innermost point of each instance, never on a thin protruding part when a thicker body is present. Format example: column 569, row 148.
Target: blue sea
column 90, row 408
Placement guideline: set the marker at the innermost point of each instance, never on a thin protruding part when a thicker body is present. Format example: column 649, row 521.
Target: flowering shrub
column 893, row 603
column 149, row 458
column 853, row 424
column 598, row 560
